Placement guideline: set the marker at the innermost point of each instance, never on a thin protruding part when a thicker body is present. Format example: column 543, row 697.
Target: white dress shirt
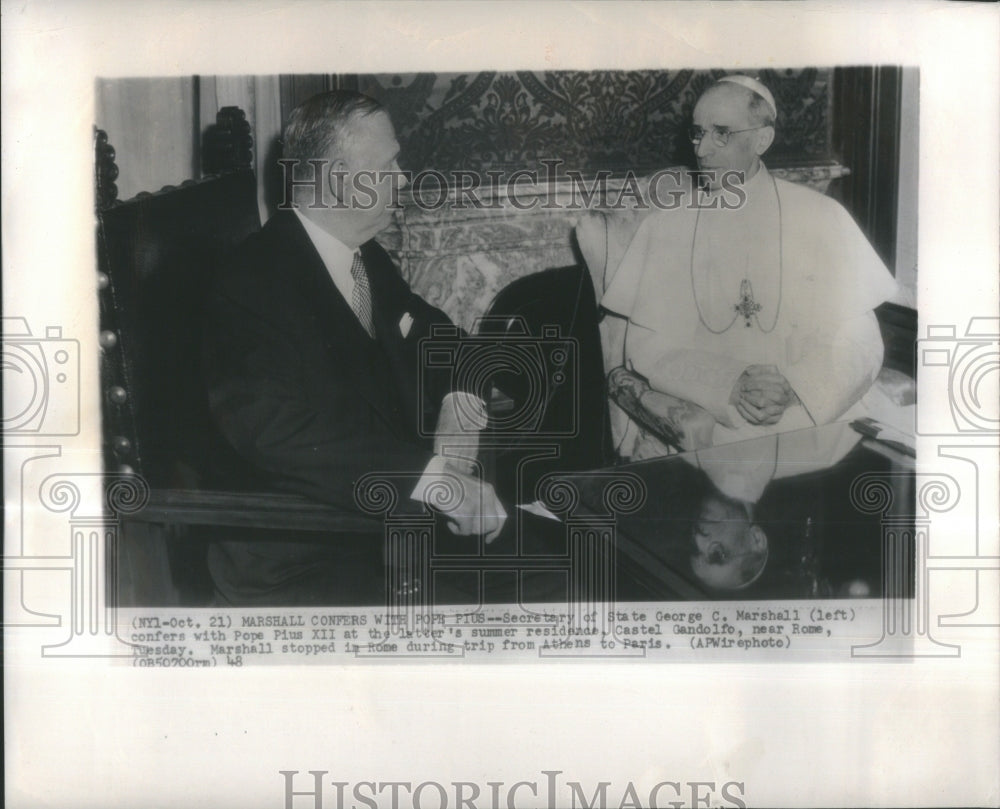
column 337, row 257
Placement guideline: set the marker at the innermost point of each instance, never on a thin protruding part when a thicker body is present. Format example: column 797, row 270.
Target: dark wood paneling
column 866, row 127
column 297, row 88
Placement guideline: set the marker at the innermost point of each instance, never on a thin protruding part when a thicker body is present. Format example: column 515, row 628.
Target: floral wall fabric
column 591, row 120
column 459, row 258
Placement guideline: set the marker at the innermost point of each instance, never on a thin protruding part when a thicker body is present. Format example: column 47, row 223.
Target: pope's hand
column 762, row 394
column 478, row 512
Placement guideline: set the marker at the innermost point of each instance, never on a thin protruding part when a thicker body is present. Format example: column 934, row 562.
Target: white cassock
column 808, row 267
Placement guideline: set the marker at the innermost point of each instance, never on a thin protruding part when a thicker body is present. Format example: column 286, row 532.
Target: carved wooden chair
column 156, row 253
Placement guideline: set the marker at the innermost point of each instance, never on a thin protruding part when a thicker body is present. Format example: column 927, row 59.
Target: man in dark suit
column 312, row 359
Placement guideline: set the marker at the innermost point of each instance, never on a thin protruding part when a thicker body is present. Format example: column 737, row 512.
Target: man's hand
column 762, row 394
column 478, row 511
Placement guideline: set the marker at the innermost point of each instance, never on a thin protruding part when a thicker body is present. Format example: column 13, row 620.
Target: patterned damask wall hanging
column 588, row 120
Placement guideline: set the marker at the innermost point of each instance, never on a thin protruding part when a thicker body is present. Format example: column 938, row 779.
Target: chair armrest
column 250, row 510
column 898, row 325
column 898, row 386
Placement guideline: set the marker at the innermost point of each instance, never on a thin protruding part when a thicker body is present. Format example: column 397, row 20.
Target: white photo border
column 922, row 732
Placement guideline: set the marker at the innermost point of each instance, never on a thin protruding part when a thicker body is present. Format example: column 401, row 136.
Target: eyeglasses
column 720, row 134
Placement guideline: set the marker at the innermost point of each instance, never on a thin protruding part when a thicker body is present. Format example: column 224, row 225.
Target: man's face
column 725, row 106
column 723, row 537
column 369, row 159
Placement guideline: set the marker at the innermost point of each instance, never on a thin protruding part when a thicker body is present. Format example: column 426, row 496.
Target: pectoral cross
column 747, row 307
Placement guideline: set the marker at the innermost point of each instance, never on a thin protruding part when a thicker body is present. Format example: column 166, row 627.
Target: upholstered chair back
column 157, row 253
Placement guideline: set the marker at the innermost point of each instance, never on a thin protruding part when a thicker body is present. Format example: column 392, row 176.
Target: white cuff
column 432, row 474
column 462, row 412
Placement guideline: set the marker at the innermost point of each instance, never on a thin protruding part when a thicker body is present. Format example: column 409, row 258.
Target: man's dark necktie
column 361, row 298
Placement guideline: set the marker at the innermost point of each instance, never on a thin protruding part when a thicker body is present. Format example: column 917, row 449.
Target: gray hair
column 319, row 127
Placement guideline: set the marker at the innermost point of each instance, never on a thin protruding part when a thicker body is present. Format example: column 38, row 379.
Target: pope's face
column 724, row 537
column 725, row 107
column 370, row 160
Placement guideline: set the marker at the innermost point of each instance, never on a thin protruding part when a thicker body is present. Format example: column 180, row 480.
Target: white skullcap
column 754, row 86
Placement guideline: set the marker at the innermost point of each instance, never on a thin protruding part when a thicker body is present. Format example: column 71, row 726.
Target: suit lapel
column 390, row 301
column 347, row 343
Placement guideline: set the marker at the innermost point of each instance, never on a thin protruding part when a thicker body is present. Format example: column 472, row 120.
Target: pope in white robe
column 752, row 300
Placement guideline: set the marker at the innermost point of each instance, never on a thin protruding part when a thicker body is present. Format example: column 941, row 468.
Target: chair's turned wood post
column 119, row 433
column 105, row 171
column 116, row 406
column 228, row 144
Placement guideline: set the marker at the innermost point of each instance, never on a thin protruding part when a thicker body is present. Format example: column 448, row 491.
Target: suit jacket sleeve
column 279, row 395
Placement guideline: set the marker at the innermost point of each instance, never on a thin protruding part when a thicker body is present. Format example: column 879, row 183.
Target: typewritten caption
column 731, row 631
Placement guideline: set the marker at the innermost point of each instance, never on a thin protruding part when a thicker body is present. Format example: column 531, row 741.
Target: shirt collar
column 335, row 254
column 758, row 181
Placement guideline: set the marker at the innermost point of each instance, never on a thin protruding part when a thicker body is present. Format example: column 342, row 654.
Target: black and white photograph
column 689, row 290
column 480, row 405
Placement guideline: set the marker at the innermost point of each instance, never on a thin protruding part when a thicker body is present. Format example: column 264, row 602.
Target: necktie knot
column 361, row 297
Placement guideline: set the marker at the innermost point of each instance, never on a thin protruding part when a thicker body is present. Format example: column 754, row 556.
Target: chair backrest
column 898, row 325
column 557, row 309
column 157, row 253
